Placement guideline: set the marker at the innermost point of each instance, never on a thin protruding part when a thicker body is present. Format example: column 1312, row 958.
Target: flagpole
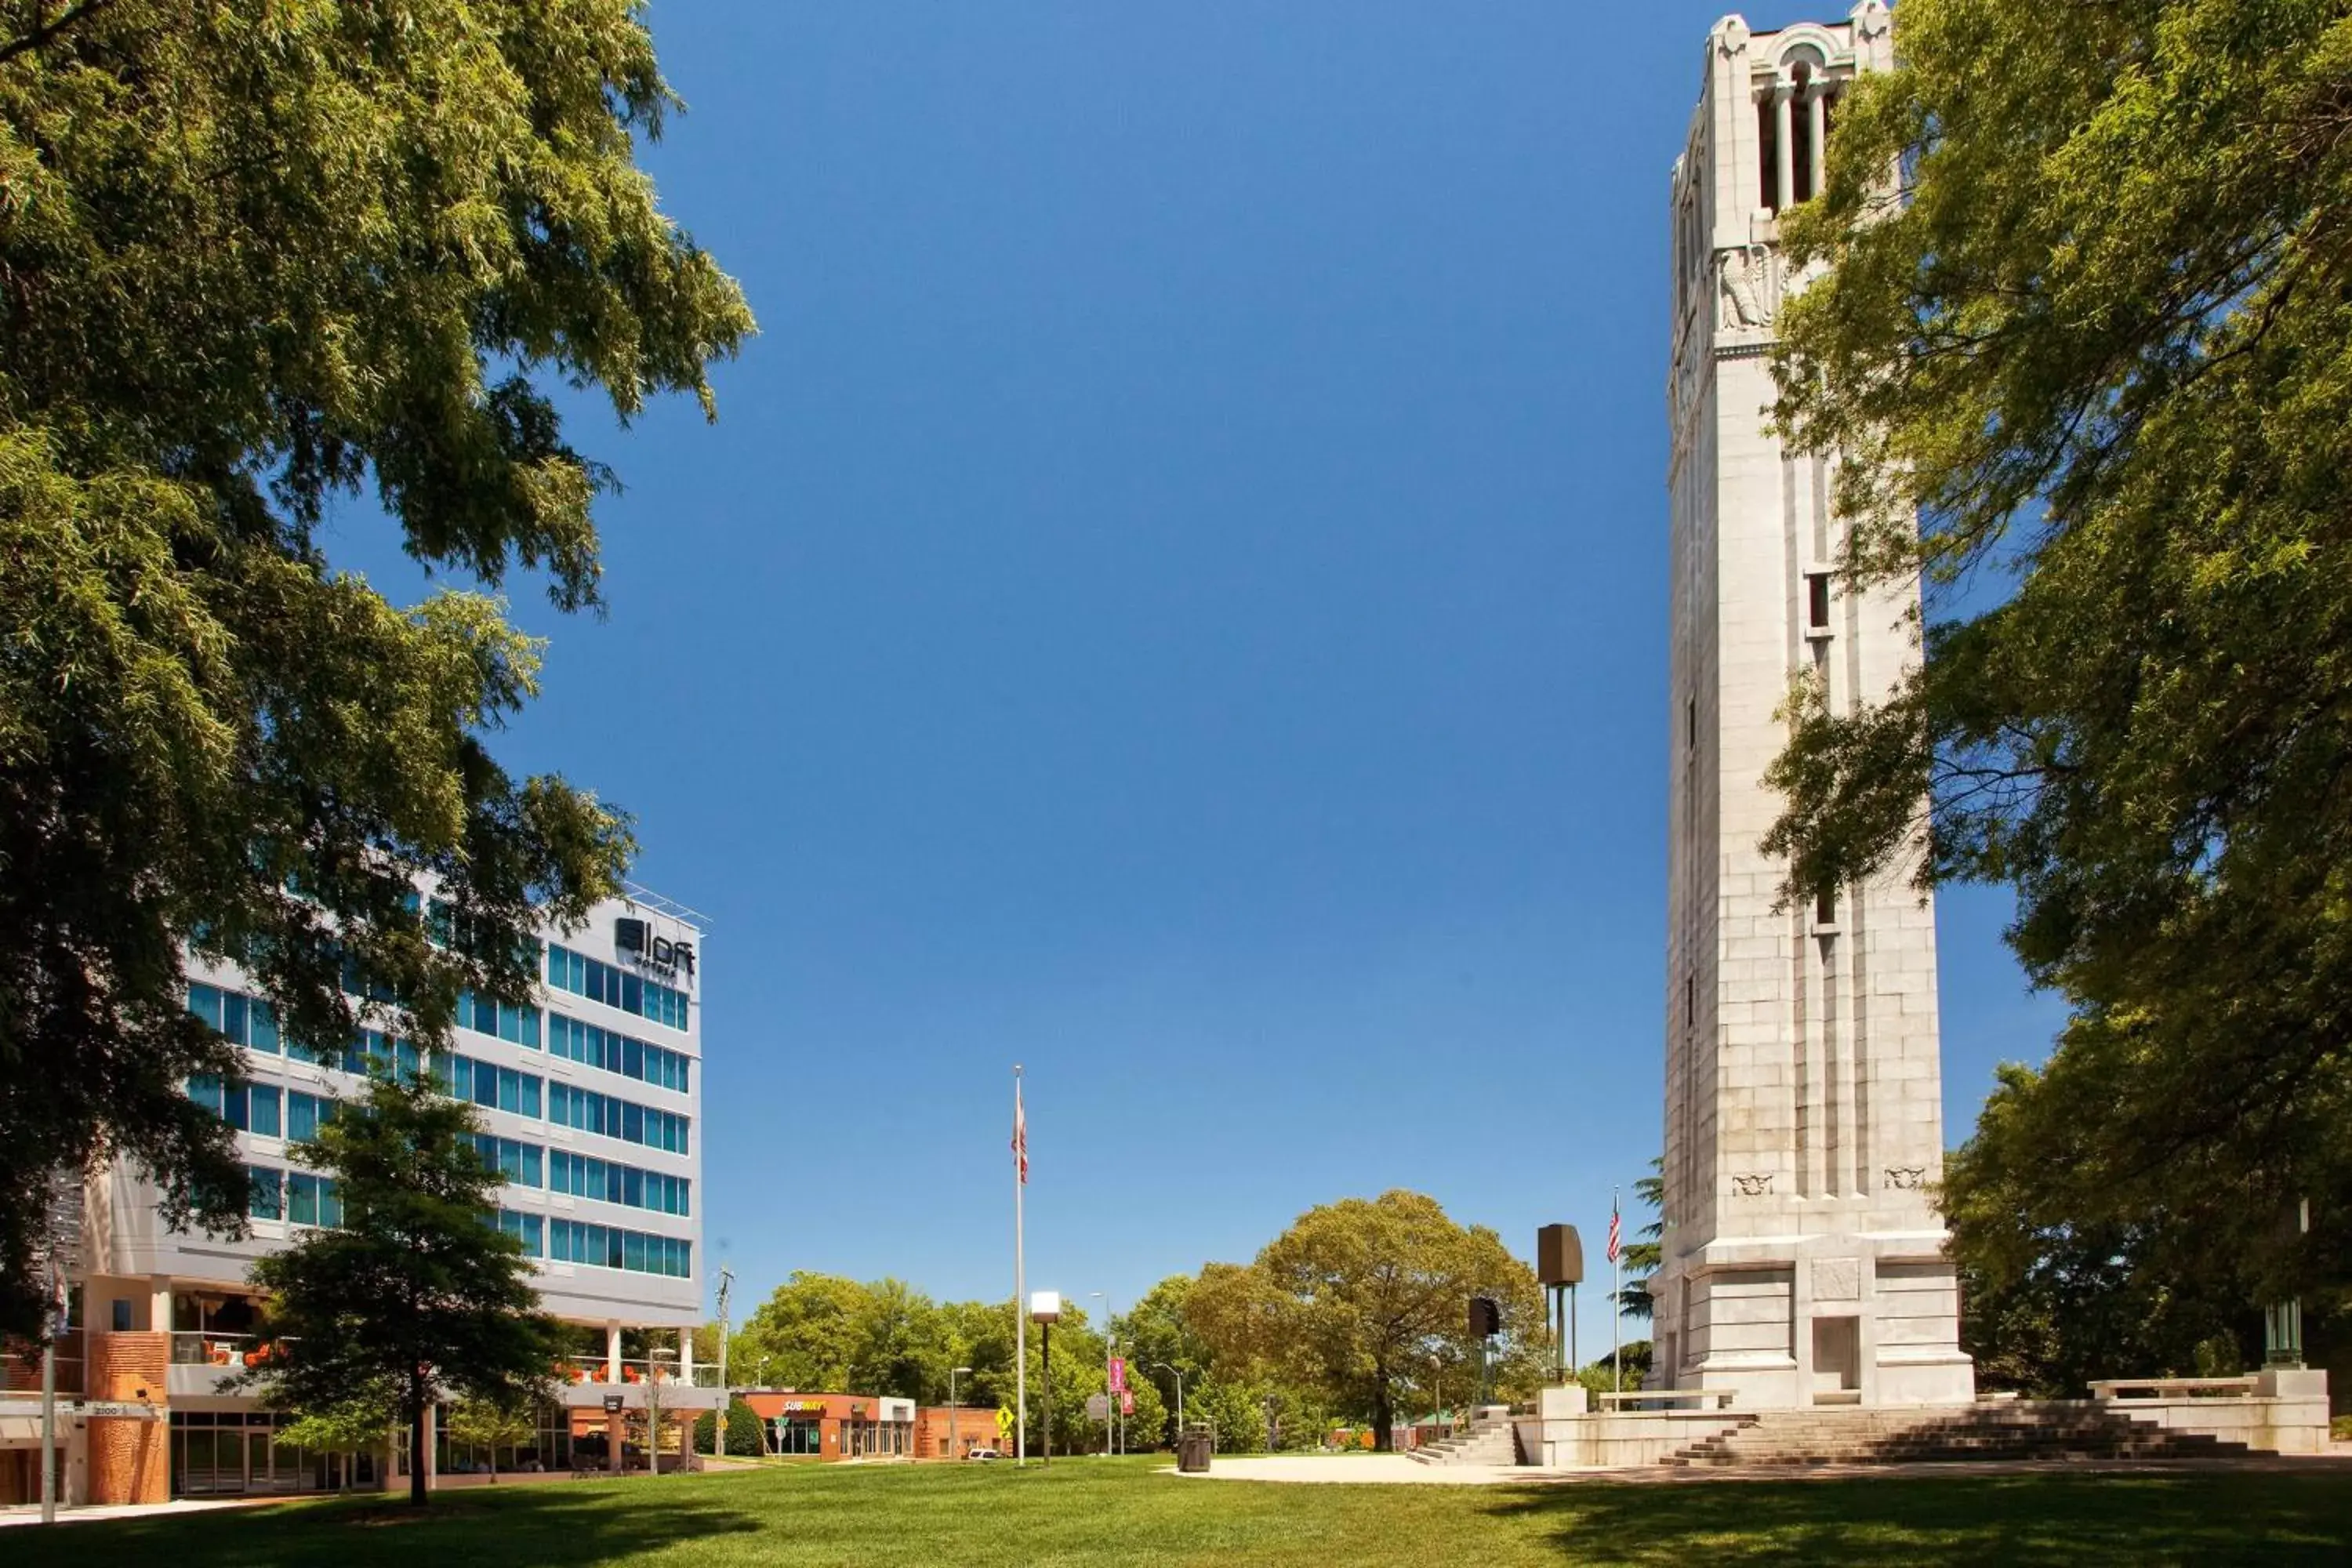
column 1020, row 1286
column 1616, row 1301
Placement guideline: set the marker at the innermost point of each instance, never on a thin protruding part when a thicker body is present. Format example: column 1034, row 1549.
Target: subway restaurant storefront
column 835, row 1426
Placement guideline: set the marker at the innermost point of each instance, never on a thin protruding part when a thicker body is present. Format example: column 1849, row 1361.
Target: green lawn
column 1097, row 1513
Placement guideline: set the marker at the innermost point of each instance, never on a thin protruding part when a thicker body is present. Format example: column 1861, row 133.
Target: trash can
column 1192, row 1450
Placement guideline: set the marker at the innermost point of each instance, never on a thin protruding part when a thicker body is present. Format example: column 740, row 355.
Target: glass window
column 262, row 1100
column 205, row 1090
column 261, row 1019
column 268, row 1198
column 204, row 1002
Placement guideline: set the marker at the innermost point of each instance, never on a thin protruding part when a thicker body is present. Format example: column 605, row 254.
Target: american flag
column 1021, row 1136
column 1616, row 1232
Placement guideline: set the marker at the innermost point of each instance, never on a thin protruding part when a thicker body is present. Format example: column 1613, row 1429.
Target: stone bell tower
column 1803, row 1259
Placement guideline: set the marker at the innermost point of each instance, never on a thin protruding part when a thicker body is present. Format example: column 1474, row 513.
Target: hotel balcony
column 587, row 1382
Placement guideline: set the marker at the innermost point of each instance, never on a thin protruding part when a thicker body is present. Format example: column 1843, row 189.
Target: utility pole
column 719, row 1427
column 56, row 1325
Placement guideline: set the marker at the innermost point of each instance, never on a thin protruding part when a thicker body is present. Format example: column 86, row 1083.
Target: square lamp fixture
column 1045, row 1306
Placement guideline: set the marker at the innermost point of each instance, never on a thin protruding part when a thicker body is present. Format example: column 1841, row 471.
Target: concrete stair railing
column 1488, row 1440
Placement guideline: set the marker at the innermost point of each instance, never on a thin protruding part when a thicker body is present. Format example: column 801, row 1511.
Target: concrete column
column 686, row 1357
column 1785, row 126
column 1800, row 1328
column 1866, row 1331
column 1817, row 106
column 159, row 1303
column 612, row 1352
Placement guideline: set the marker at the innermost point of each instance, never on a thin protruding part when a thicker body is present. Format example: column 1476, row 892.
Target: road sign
column 1004, row 1422
column 1098, row 1407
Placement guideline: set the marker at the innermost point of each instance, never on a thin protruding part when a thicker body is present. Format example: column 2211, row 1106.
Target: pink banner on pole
column 1119, row 1374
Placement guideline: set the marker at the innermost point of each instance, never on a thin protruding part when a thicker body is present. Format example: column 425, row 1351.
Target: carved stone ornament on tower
column 1747, row 272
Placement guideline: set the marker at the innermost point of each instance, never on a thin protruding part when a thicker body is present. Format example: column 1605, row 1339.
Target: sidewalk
column 1396, row 1469
column 30, row 1513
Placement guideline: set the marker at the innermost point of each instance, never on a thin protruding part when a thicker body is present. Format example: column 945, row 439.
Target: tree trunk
column 1383, row 1414
column 416, row 1454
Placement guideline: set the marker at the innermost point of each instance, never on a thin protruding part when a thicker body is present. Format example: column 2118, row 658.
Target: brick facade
column 129, row 1460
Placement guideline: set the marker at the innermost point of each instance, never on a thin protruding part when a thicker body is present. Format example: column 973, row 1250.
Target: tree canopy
column 2086, row 363
column 417, row 1293
column 1358, row 1296
column 257, row 260
column 1358, row 1303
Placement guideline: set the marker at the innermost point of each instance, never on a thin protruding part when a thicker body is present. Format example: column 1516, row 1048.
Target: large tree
column 1355, row 1296
column 1640, row 1257
column 2088, row 362
column 418, row 1293
column 254, row 258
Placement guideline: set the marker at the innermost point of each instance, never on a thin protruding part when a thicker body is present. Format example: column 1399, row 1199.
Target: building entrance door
column 1837, row 1359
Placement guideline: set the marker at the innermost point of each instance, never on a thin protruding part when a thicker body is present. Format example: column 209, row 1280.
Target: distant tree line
column 1356, row 1315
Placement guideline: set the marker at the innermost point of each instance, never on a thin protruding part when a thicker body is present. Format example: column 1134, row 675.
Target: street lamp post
column 1179, row 1376
column 1045, row 1311
column 955, row 1417
column 1110, row 1344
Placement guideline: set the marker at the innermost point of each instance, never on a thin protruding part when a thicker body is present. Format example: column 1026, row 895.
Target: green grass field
column 1097, row 1513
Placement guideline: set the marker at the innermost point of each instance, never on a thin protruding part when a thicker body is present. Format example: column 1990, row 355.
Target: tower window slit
column 1817, row 601
column 1767, row 167
column 1800, row 136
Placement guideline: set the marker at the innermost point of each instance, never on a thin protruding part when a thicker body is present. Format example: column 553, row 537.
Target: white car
column 983, row 1454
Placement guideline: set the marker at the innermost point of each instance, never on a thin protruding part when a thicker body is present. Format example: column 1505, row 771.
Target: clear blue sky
column 1176, row 597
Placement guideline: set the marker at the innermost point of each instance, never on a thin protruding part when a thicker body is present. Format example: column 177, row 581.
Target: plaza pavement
column 1396, row 1470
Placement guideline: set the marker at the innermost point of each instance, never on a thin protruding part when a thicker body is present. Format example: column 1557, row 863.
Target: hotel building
column 592, row 1101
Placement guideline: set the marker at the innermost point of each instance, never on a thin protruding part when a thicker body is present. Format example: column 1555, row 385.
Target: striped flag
column 1616, row 1232
column 1021, row 1136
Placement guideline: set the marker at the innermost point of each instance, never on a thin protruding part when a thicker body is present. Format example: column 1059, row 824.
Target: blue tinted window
column 205, row 1090
column 268, row 1200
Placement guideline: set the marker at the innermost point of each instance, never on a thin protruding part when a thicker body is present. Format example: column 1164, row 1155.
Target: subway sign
column 635, row 938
